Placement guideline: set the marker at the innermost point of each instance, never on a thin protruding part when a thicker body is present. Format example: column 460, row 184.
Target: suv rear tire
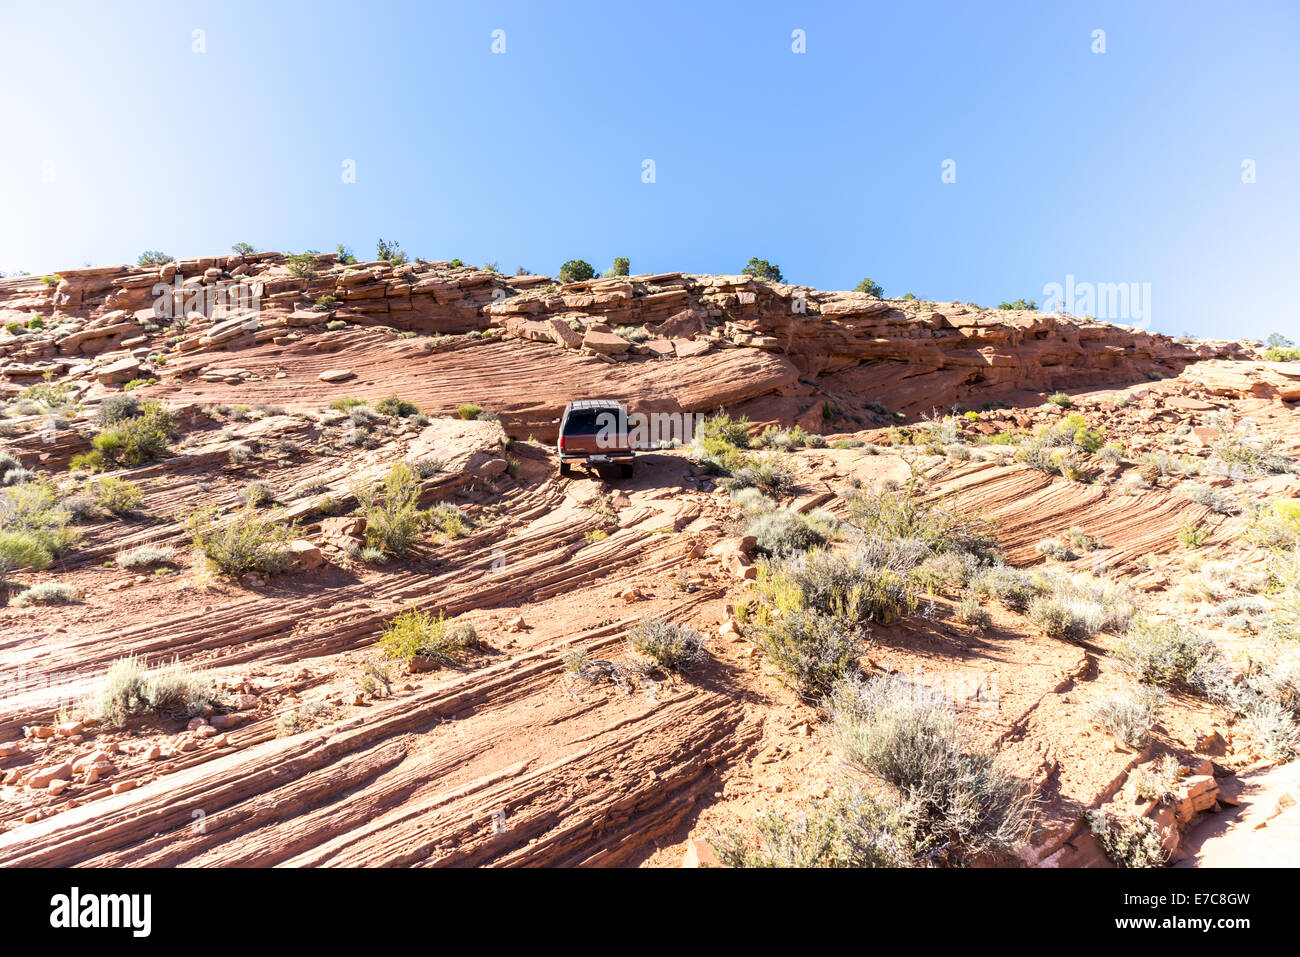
column 625, row 471
column 565, row 469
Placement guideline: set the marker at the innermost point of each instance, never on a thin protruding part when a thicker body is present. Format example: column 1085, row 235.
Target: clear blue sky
column 1115, row 167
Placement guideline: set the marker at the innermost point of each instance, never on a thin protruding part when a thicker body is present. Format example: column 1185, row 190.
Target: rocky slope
column 506, row 758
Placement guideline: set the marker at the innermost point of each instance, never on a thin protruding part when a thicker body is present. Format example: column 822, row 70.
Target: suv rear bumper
column 599, row 458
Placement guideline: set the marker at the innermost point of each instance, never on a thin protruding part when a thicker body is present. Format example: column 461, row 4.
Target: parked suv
column 594, row 432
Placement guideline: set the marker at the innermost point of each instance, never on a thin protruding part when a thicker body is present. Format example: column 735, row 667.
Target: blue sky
column 1115, row 167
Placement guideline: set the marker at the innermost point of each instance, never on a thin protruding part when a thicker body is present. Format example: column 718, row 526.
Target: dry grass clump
column 958, row 796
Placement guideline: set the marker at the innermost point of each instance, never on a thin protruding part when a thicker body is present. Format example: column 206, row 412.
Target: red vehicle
column 594, row 432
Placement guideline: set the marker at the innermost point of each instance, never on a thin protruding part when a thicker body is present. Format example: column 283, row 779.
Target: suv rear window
column 589, row 421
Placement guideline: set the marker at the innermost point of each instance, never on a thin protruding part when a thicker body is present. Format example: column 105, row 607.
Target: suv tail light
column 560, row 444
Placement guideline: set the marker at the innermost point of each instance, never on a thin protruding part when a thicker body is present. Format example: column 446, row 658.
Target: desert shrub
column 137, row 440
column 765, row 472
column 1157, row 781
column 1241, row 446
column 1078, row 607
column 1166, row 653
column 1193, row 532
column 671, row 646
column 122, row 692
column 391, row 511
column 972, row 613
column 812, row 649
column 469, row 411
column 448, row 519
column 302, row 265
column 426, row 467
column 908, row 736
column 1128, row 841
column 1060, row 399
column 621, row 266
column 870, row 287
column 33, row 526
column 762, row 269
column 1212, row 498
column 1051, row 548
column 153, row 257
column 373, row 556
column 246, row 541
column 785, row 532
column 116, row 408
column 576, row 270
column 334, row 325
column 1282, row 355
column 419, row 634
column 258, row 493
column 145, row 556
column 724, row 429
column 946, row 573
column 389, row 252
column 751, row 500
column 1274, row 727
column 46, row 593
column 397, row 407
column 1129, row 715
column 174, row 690
column 82, row 508
column 900, row 513
column 115, row 495
column 1012, row 587
column 21, row 550
column 129, row 689
column 868, row 583
column 851, row 828
column 326, row 303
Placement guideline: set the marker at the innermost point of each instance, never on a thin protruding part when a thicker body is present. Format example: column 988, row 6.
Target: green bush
column 766, row 472
column 576, row 270
column 391, row 511
column 115, row 495
column 1026, row 305
column 762, row 269
column 469, row 411
column 153, row 257
column 621, row 266
column 870, row 287
column 812, row 649
column 390, row 252
column 397, row 407
column 417, row 634
column 33, row 526
column 136, row 441
column 1060, row 399
column 247, row 541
